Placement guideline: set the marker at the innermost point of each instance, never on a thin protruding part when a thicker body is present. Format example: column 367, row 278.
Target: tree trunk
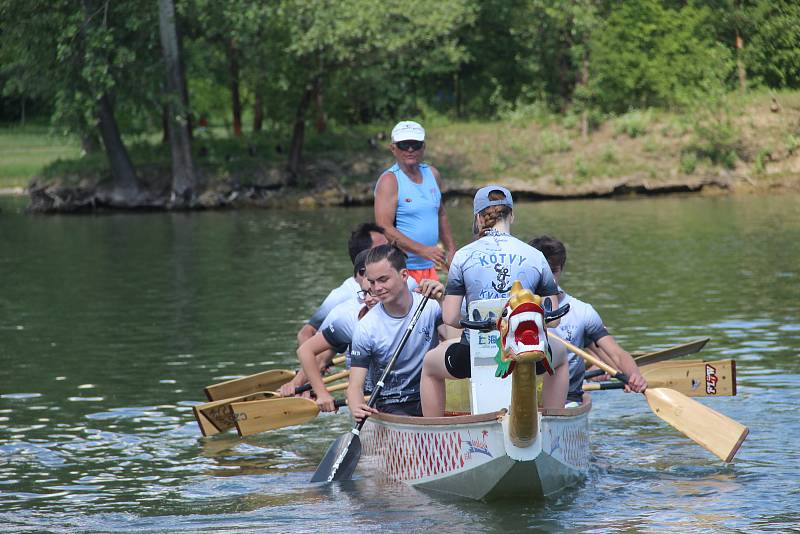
column 585, row 84
column 740, row 63
column 322, row 121
column 164, row 124
column 236, row 101
column 122, row 171
column 183, row 171
column 298, row 135
column 258, row 112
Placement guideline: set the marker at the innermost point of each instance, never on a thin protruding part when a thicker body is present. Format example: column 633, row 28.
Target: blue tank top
column 417, row 214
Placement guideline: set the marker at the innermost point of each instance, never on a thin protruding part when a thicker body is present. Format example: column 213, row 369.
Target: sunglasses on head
column 409, row 145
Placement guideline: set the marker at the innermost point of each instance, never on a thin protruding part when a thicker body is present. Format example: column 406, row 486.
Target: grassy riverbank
column 752, row 140
column 25, row 151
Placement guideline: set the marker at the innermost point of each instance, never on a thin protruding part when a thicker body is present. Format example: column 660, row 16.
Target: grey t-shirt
column 486, row 269
column 339, row 325
column 581, row 327
column 338, row 328
column 376, row 338
column 347, row 291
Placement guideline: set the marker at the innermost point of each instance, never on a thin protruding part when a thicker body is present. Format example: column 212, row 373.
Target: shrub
column 552, row 143
column 581, row 169
column 688, row 162
column 633, row 124
column 609, row 155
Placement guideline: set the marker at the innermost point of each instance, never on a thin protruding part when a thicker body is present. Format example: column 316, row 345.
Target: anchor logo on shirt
column 502, row 278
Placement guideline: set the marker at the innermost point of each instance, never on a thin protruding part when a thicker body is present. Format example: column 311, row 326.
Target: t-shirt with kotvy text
column 487, row 267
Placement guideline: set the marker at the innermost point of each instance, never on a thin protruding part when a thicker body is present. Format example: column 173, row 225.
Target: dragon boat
column 494, row 442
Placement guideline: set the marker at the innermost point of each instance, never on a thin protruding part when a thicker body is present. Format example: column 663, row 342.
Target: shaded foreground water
column 111, row 325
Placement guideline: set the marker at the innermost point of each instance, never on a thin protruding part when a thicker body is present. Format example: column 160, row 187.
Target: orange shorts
column 420, row 274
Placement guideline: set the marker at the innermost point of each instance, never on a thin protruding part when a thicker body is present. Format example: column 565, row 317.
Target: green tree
column 403, row 35
column 774, row 52
column 90, row 58
column 646, row 54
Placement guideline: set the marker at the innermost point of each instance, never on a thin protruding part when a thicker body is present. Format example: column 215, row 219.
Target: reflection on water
column 111, row 325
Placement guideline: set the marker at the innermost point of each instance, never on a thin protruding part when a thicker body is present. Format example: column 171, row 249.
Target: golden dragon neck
column 524, row 417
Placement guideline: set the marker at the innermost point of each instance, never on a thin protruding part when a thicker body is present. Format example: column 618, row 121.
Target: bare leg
column 431, row 386
column 554, row 391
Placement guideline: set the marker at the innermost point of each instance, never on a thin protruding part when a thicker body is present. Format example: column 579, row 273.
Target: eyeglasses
column 409, row 145
column 363, row 294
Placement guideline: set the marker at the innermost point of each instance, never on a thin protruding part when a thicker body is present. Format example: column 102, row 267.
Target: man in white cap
column 408, row 204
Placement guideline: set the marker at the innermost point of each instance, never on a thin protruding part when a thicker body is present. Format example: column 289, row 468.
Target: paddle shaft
column 328, row 379
column 597, row 362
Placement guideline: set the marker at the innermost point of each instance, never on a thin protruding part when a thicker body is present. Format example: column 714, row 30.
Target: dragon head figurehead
column 523, row 336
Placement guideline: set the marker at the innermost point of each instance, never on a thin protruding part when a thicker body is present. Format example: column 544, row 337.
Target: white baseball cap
column 408, row 131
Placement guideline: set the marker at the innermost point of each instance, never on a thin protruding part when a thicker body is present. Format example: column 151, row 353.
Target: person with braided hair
column 486, row 269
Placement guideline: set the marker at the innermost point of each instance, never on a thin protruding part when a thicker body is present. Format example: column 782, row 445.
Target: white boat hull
column 473, row 457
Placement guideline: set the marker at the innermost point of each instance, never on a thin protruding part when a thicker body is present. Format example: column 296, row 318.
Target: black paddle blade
column 340, row 460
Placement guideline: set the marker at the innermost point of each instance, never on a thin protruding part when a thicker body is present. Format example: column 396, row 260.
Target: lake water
column 111, row 325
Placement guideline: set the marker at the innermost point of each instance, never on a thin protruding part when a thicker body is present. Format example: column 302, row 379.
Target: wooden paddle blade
column 261, row 415
column 673, row 352
column 340, row 460
column 715, row 432
column 695, row 379
column 206, row 426
column 216, row 416
column 264, row 381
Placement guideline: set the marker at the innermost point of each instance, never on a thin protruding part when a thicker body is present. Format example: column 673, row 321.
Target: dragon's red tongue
column 527, row 333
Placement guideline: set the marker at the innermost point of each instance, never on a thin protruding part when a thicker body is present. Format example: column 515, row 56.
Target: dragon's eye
column 505, row 312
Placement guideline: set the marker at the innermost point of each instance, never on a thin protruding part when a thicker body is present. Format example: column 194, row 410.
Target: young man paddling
column 364, row 237
column 335, row 335
column 379, row 332
column 584, row 328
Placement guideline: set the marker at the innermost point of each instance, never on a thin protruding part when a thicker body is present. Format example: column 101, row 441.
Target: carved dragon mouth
column 525, row 328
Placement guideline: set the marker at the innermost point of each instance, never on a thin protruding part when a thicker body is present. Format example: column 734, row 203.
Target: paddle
column 693, row 378
column 261, row 415
column 715, row 432
column 216, row 416
column 263, row 381
column 342, row 456
column 673, row 352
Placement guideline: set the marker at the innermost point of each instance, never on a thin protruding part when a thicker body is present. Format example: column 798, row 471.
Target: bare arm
column 310, row 353
column 305, row 334
column 355, row 394
column 445, row 234
column 622, row 360
column 451, row 310
column 385, row 212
